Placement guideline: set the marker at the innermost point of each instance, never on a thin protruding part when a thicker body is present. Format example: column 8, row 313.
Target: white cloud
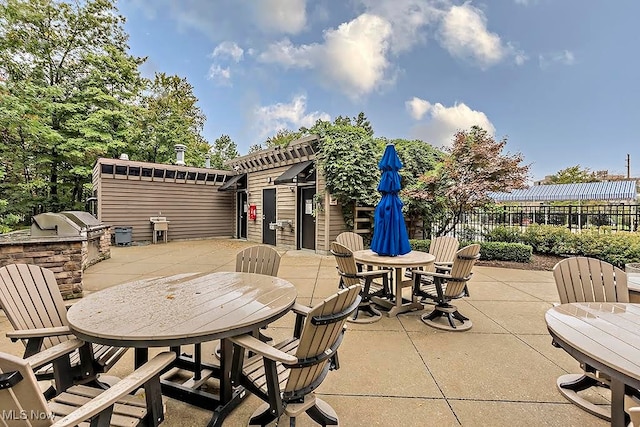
column 444, row 122
column 220, row 75
column 281, row 16
column 417, row 107
column 352, row 56
column 464, row 34
column 409, row 19
column 564, row 57
column 228, row 49
column 270, row 118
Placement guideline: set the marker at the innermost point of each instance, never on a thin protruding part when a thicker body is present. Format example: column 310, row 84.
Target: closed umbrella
column 390, row 236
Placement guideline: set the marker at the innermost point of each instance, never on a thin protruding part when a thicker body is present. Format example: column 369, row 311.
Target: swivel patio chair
column 448, row 286
column 285, row 375
column 581, row 279
column 444, row 248
column 22, row 403
column 350, row 275
column 32, row 301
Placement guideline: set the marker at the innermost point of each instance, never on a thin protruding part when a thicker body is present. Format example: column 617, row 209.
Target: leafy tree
column 573, row 174
column 282, row 138
column 475, row 166
column 255, row 148
column 68, row 85
column 223, row 149
column 169, row 115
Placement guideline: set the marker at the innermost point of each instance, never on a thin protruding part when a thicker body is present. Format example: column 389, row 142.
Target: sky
column 560, row 79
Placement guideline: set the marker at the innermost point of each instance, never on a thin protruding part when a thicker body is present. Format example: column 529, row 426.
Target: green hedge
column 617, row 248
column 501, row 251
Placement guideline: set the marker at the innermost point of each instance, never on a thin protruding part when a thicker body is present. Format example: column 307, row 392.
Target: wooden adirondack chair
column 450, row 285
column 31, row 299
column 350, row 275
column 258, row 259
column 285, row 375
column 581, row 279
column 351, row 240
column 23, row 404
column 444, row 248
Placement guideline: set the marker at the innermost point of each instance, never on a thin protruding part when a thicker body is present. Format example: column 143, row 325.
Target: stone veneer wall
column 67, row 257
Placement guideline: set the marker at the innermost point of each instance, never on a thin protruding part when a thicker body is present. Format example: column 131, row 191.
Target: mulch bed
column 538, row 262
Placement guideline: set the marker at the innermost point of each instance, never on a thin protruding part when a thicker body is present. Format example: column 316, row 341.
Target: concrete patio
column 398, row 371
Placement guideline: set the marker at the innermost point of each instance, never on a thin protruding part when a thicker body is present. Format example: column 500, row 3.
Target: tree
column 68, row 85
column 475, row 165
column 282, row 138
column 573, row 174
column 169, row 115
column 223, row 149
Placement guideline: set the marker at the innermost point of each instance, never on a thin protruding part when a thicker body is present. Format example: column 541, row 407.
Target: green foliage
column 504, row 251
column 420, row 245
column 223, row 149
column 282, row 138
column 548, row 239
column 573, row 174
column 503, row 234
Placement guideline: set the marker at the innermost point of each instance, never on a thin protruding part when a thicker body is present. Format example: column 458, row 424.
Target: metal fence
column 475, row 224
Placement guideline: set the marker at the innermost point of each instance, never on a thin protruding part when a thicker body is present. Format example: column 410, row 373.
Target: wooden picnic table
column 411, row 260
column 605, row 336
column 185, row 309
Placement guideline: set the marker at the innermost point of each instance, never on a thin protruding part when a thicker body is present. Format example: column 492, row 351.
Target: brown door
column 306, row 208
column 268, row 216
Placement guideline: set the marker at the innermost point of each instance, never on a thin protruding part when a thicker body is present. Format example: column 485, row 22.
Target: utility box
column 123, row 236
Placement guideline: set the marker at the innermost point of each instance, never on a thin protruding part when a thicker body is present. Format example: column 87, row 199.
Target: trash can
column 123, row 236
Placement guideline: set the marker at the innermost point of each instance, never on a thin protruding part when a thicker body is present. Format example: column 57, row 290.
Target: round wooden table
column 185, row 309
column 605, row 336
column 411, row 260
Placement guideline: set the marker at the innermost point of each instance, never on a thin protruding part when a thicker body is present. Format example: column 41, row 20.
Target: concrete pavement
column 398, row 371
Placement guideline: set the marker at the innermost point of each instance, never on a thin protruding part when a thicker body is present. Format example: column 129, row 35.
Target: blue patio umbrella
column 390, row 237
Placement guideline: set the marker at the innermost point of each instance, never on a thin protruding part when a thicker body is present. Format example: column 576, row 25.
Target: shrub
column 503, row 234
column 420, row 245
column 504, row 251
column 547, row 239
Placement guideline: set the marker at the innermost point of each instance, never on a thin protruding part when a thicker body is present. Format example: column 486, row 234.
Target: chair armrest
column 39, row 333
column 123, row 387
column 53, row 353
column 300, row 309
column 373, row 273
column 263, row 349
column 431, row 273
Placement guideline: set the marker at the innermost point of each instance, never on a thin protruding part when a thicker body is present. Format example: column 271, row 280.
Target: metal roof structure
column 604, row 190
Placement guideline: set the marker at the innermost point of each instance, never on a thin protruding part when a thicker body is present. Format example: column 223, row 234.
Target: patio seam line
column 424, row 362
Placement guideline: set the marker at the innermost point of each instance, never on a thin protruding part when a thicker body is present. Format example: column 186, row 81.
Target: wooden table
column 411, row 260
column 605, row 336
column 185, row 309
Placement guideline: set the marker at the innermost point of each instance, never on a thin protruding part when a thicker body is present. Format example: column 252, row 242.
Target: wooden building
column 277, row 191
column 270, row 197
column 129, row 193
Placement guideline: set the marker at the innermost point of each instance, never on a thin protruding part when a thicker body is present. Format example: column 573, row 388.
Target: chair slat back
column 444, row 248
column 460, row 273
column 322, row 338
column 346, row 263
column 258, row 259
column 23, row 398
column 351, row 240
column 582, row 279
column 31, row 299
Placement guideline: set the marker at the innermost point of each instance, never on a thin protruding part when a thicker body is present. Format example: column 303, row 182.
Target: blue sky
column 559, row 78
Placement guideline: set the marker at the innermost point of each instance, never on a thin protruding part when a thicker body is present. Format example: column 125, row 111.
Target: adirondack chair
column 350, row 275
column 258, row 259
column 444, row 248
column 285, row 375
column 450, row 285
column 351, row 240
column 31, row 299
column 23, row 404
column 581, row 279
